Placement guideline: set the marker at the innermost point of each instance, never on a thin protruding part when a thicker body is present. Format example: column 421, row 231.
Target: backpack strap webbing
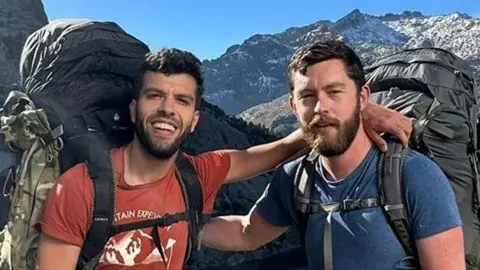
column 390, row 167
column 306, row 205
column 101, row 171
column 100, row 231
column 193, row 195
column 303, row 189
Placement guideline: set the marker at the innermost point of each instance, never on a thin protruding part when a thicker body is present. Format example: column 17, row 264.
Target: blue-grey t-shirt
column 362, row 239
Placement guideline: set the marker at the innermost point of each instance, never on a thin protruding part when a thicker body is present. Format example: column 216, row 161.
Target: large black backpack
column 437, row 89
column 77, row 80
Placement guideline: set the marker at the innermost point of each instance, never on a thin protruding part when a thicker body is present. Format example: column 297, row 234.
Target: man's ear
column 364, row 97
column 133, row 110
column 196, row 118
column 292, row 104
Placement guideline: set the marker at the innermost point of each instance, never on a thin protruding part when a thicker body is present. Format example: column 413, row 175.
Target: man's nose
column 168, row 105
column 320, row 106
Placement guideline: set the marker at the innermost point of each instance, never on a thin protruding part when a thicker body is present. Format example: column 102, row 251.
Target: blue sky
column 209, row 27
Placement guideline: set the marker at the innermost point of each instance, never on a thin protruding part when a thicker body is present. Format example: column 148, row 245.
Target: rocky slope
column 18, row 19
column 374, row 37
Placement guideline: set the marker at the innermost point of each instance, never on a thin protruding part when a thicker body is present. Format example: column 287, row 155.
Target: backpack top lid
column 71, row 68
column 428, row 54
column 65, row 49
column 435, row 71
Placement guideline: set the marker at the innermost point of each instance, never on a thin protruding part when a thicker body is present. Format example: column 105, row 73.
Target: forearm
column 263, row 158
column 280, row 150
column 226, row 233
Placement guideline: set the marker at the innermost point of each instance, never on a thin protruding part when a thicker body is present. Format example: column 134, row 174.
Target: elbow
column 255, row 246
column 249, row 245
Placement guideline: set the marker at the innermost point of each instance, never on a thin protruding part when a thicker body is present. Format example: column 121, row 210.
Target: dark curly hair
column 171, row 61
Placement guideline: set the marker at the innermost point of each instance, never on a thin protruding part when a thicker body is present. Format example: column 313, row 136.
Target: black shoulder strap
column 303, row 186
column 100, row 169
column 104, row 203
column 193, row 195
column 390, row 167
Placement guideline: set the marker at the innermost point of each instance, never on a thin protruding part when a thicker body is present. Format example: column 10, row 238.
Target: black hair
column 171, row 61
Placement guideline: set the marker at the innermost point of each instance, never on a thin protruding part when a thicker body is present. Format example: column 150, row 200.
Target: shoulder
column 429, row 196
column 76, row 176
column 284, row 175
column 212, row 168
column 418, row 166
column 290, row 168
column 74, row 186
column 210, row 159
column 276, row 203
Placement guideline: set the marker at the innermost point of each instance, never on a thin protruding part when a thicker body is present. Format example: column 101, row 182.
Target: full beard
column 339, row 144
column 157, row 148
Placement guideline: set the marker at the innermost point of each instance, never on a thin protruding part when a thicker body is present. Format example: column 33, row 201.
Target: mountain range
column 249, row 79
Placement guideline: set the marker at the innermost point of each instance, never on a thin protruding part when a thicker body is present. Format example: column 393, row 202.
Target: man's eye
column 184, row 101
column 153, row 96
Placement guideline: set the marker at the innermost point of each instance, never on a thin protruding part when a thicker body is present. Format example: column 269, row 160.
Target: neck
column 141, row 167
column 341, row 166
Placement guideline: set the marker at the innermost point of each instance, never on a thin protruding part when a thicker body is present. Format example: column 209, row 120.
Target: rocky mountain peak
column 353, row 19
column 404, row 15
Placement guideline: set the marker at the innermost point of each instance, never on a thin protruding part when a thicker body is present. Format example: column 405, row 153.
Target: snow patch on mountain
column 360, row 29
column 455, row 32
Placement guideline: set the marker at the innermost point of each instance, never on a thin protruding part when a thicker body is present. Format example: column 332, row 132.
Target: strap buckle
column 196, row 215
column 350, row 204
column 356, row 204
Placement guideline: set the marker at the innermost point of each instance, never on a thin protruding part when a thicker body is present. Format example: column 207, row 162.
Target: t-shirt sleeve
column 67, row 208
column 212, row 168
column 276, row 204
column 430, row 197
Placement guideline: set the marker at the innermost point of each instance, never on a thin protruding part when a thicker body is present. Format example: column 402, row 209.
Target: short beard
column 346, row 133
column 162, row 152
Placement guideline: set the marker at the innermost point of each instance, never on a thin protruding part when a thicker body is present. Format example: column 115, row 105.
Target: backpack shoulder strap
column 100, row 169
column 390, row 167
column 193, row 195
column 302, row 193
column 104, row 208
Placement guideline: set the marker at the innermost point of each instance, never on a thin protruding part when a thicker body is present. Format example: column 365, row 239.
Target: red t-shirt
column 68, row 212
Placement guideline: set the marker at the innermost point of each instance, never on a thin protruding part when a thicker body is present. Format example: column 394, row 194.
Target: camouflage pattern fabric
column 37, row 174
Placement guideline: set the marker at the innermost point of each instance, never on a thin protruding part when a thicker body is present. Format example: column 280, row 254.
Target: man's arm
column 64, row 222
column 262, row 158
column 55, row 254
column 239, row 233
column 269, row 218
column 377, row 119
column 435, row 218
column 442, row 251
